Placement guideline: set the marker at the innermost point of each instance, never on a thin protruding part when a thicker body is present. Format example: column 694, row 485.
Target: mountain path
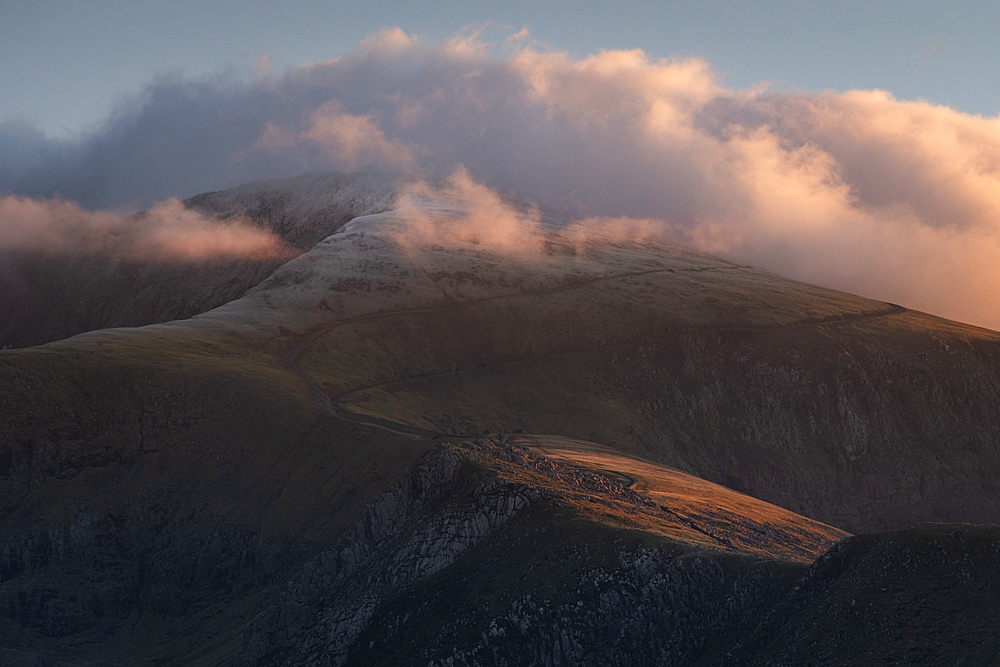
column 333, row 406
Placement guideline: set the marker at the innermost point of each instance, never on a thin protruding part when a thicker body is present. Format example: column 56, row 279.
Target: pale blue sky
column 65, row 63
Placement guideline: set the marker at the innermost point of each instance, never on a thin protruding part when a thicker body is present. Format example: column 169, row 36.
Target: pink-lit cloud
column 898, row 200
column 460, row 210
column 349, row 141
column 168, row 231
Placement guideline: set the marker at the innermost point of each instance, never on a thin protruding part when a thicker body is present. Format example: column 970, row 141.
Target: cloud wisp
column 168, row 231
column 898, row 200
column 462, row 211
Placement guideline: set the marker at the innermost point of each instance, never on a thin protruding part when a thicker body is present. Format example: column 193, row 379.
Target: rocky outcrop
column 480, row 555
column 390, row 593
column 453, row 569
column 642, row 606
column 433, row 516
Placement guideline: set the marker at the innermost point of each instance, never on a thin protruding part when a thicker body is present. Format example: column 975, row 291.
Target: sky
column 851, row 145
column 67, row 63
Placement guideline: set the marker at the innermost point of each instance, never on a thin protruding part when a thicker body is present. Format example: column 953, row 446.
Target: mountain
column 408, row 445
column 49, row 295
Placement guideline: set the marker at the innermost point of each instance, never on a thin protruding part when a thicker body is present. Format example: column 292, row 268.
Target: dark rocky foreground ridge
column 301, row 476
column 457, row 566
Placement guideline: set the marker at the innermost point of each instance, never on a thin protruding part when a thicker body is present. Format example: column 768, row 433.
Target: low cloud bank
column 461, row 211
column 898, row 200
column 168, row 231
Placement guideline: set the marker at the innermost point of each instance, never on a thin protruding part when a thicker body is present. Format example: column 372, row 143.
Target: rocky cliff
column 456, row 566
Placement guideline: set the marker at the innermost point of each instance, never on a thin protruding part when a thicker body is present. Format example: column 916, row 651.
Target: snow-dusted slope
column 303, row 209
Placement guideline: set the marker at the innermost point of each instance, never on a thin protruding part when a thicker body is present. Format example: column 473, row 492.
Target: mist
column 896, row 200
column 168, row 231
column 461, row 211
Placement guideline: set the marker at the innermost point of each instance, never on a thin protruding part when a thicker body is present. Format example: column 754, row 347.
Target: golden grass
column 690, row 509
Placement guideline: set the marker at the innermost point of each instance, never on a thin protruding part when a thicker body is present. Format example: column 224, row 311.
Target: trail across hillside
column 334, row 406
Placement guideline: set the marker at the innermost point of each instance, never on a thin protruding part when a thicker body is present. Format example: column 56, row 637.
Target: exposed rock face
column 449, row 570
column 640, row 607
column 420, row 527
column 85, row 579
column 470, row 560
column 371, row 600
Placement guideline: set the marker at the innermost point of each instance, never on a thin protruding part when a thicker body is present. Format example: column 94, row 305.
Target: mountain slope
column 858, row 605
column 54, row 294
column 859, row 413
column 407, row 443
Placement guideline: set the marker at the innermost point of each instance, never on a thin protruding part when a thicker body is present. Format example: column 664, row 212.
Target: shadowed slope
column 922, row 596
column 153, row 489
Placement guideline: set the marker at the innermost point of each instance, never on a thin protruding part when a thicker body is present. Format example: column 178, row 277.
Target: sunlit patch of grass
column 605, row 486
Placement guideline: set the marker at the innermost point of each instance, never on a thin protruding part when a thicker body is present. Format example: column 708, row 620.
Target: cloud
column 350, row 141
column 168, row 231
column 460, row 210
column 898, row 200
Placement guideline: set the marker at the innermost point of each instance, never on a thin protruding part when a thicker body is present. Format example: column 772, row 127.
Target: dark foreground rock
column 454, row 568
column 928, row 595
column 449, row 569
column 466, row 562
